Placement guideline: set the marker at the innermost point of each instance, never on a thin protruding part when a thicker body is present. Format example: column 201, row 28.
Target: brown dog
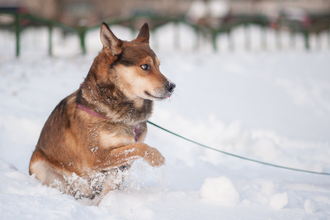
column 93, row 135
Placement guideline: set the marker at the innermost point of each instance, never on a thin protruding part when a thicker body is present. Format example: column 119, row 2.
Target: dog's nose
column 170, row 87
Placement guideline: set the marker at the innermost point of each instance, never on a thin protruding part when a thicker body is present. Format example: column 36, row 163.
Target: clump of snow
column 220, row 190
column 279, row 200
column 262, row 189
column 310, row 206
column 267, row 187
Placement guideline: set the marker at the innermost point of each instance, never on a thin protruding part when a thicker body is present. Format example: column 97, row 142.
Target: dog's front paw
column 154, row 157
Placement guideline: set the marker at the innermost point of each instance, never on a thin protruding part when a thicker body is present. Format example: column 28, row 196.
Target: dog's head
column 135, row 66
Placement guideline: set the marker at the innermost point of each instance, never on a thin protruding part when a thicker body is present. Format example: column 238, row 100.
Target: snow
column 220, row 190
column 310, row 206
column 271, row 105
column 279, row 200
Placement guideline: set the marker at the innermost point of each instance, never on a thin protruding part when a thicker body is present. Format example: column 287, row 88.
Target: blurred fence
column 319, row 24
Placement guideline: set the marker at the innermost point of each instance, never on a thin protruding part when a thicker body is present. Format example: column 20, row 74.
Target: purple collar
column 95, row 114
column 91, row 112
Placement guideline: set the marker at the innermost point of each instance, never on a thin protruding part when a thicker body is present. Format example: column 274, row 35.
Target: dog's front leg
column 122, row 155
column 112, row 182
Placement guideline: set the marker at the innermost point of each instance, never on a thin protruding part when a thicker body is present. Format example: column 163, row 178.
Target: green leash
column 234, row 155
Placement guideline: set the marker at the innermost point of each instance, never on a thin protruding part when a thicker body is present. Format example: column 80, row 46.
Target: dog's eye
column 145, row 67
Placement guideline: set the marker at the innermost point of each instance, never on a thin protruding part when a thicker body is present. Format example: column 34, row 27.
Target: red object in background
column 307, row 21
column 22, row 10
column 274, row 25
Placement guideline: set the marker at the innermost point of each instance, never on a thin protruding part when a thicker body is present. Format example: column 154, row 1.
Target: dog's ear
column 109, row 40
column 143, row 36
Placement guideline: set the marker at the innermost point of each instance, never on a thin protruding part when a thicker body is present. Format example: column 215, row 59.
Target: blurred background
column 292, row 23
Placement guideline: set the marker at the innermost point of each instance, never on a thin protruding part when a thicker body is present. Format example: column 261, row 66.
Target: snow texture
column 268, row 105
column 220, row 190
column 310, row 206
column 279, row 200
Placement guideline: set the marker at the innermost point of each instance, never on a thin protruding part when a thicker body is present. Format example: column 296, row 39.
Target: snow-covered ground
column 272, row 106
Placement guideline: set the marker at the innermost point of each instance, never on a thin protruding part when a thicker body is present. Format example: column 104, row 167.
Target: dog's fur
column 86, row 156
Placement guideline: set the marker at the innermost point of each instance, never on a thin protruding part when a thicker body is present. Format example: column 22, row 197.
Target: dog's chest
column 117, row 136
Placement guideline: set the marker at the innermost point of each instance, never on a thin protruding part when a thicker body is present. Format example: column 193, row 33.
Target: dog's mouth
column 157, row 97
